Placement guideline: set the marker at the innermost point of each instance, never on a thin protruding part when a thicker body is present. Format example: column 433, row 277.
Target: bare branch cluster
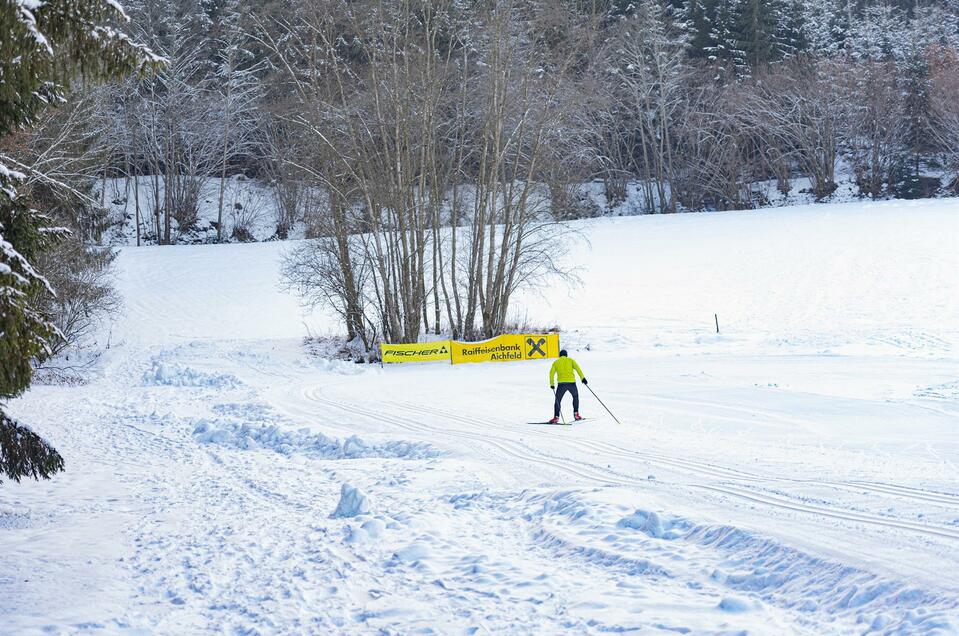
column 438, row 136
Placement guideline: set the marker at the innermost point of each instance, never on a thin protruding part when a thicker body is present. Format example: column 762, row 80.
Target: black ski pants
column 561, row 390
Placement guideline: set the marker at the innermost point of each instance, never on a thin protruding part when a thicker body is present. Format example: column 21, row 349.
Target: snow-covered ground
column 796, row 473
column 247, row 203
column 252, row 205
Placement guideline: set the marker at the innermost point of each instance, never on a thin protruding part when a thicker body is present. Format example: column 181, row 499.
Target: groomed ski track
column 516, row 450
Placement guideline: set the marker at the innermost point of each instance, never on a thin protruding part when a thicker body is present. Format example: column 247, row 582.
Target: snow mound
column 654, row 526
column 369, row 532
column 787, row 576
column 375, row 528
column 414, row 552
column 287, row 442
column 735, row 605
column 13, row 518
column 249, row 411
column 171, row 374
column 352, row 503
column 751, row 571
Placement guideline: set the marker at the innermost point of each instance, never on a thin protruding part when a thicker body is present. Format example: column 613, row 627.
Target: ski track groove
column 731, row 491
column 944, row 499
column 503, row 446
column 721, row 472
column 845, row 515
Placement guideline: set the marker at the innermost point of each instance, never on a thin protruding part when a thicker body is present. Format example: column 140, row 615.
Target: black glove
column 584, row 381
column 552, row 388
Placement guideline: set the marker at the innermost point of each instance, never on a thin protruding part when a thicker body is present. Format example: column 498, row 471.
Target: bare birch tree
column 437, row 133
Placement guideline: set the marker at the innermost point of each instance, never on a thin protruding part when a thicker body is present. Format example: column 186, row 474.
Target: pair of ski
column 585, row 419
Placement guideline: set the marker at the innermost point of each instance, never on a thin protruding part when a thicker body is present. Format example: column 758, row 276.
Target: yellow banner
column 499, row 349
column 507, row 348
column 418, row 352
column 540, row 345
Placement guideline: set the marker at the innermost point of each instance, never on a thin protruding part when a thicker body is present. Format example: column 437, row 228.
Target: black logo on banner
column 536, row 347
column 414, row 353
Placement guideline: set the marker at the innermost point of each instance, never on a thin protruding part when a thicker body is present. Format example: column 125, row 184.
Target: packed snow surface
column 794, row 473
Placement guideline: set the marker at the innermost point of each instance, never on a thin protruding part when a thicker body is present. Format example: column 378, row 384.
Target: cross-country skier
column 562, row 370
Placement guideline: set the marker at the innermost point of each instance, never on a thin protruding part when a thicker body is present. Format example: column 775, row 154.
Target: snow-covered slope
column 201, row 292
column 796, row 473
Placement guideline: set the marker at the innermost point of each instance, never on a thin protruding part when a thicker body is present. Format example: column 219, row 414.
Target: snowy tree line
column 697, row 101
column 429, row 146
column 698, row 104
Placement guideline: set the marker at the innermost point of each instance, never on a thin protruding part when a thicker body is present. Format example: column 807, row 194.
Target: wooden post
column 716, row 316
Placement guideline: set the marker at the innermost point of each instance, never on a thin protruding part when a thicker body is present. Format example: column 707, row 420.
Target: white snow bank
column 374, row 528
column 286, row 442
column 748, row 568
column 417, row 551
column 766, row 567
column 166, row 373
column 370, row 531
column 735, row 605
column 655, row 526
column 352, row 503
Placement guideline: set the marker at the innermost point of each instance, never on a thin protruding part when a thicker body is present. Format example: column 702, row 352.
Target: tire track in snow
column 555, row 539
column 545, row 536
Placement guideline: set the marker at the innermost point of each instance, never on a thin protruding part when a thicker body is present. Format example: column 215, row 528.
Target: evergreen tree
column 726, row 36
column 931, row 27
column 698, row 17
column 878, row 35
column 744, row 34
column 764, row 31
column 43, row 47
column 792, row 31
column 824, row 27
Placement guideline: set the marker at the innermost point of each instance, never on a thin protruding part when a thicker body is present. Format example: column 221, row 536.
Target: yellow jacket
column 563, row 369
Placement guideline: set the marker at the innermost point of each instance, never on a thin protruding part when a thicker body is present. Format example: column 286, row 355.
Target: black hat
column 562, row 353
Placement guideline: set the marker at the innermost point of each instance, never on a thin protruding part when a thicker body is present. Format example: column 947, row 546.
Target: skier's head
column 562, row 353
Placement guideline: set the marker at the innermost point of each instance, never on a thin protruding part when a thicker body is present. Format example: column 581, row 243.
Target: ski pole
column 601, row 402
column 561, row 416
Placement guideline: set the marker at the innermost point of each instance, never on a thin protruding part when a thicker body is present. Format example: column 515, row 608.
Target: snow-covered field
column 797, row 473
